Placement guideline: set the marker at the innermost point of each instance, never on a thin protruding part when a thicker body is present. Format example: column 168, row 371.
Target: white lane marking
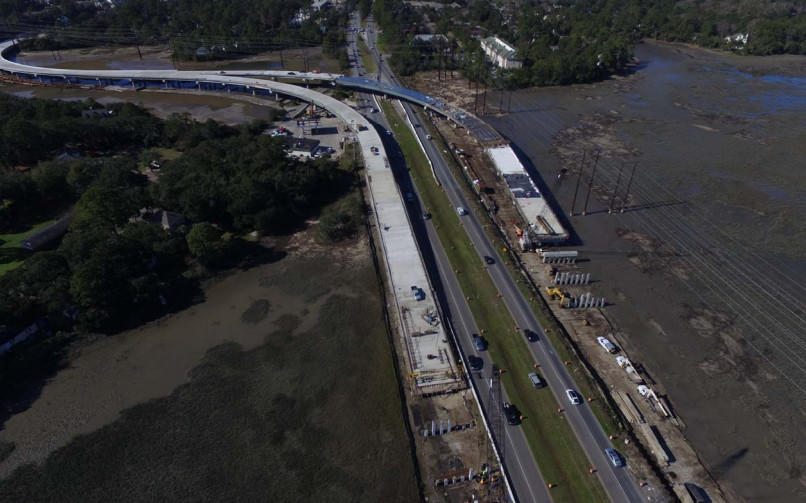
column 520, row 465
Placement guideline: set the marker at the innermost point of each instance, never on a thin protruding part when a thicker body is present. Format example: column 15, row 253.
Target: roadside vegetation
column 366, row 57
column 558, row 454
column 11, row 255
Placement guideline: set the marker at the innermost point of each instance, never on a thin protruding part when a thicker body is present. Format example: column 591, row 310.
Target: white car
column 605, row 343
column 573, row 397
column 461, row 211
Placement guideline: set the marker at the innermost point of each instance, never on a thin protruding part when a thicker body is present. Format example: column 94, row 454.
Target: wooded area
column 195, row 29
column 118, row 264
column 573, row 42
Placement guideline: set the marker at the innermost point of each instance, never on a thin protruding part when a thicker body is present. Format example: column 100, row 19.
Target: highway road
column 617, row 482
column 522, row 468
column 525, row 477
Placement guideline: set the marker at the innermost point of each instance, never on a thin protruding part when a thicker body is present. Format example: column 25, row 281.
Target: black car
column 475, row 362
column 426, row 216
column 489, row 260
column 512, row 414
column 530, row 335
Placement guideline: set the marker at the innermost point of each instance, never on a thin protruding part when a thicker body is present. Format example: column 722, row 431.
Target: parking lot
column 329, row 131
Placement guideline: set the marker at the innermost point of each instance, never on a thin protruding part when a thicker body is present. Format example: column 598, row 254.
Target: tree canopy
column 572, row 42
column 117, row 265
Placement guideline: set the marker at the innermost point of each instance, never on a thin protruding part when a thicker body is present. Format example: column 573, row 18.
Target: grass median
column 366, row 57
column 11, row 254
column 605, row 412
column 559, row 456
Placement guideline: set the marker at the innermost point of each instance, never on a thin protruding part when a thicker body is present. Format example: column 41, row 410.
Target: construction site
column 524, row 217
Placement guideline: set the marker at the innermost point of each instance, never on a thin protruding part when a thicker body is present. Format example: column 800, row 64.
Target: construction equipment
column 556, row 293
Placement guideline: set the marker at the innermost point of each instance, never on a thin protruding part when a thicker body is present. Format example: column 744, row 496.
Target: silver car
column 614, row 456
column 536, row 381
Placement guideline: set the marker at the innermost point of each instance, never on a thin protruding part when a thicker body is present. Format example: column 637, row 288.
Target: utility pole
column 629, row 185
column 475, row 97
column 579, row 178
column 439, row 62
column 484, row 102
column 453, row 59
column 613, row 197
column 590, row 183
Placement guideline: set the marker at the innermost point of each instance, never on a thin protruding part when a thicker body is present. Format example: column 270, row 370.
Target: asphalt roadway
column 527, row 483
column 519, row 461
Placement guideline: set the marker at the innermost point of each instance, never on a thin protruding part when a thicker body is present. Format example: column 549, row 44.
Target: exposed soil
column 159, row 58
column 234, row 109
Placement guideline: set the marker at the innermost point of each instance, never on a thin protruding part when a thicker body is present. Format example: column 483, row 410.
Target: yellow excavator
column 556, row 293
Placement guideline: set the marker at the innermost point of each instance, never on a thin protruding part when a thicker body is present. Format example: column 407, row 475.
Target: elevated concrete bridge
column 422, row 337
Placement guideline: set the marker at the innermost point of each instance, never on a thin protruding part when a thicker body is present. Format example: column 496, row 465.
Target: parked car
column 512, row 414
column 614, row 456
column 418, row 292
column 573, row 397
column 537, row 382
column 605, row 343
column 426, row 216
column 479, row 342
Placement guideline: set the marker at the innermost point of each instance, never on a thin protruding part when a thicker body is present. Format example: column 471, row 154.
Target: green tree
column 341, row 220
column 206, row 243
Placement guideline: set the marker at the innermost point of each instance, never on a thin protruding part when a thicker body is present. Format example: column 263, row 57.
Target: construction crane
column 556, row 293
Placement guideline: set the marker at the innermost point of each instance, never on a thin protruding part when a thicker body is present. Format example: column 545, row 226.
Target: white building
column 500, row 53
column 318, row 5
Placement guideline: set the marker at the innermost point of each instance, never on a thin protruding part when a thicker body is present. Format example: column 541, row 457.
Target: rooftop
column 500, row 47
column 305, row 144
column 528, row 199
column 429, row 37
